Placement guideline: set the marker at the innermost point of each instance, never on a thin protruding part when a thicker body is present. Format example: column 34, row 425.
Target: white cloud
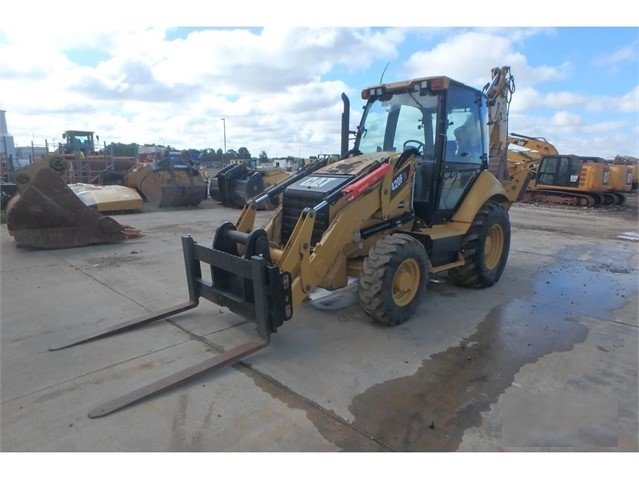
column 276, row 86
column 470, row 55
column 624, row 54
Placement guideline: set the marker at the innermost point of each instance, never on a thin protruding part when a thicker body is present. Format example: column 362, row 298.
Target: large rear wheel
column 393, row 279
column 485, row 248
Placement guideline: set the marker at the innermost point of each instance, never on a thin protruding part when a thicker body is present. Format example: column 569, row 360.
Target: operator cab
column 79, row 141
column 439, row 120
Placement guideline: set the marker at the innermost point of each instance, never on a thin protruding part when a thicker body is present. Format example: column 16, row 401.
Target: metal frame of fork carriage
column 258, row 287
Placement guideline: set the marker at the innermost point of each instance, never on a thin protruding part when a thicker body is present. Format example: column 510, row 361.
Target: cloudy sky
column 135, row 76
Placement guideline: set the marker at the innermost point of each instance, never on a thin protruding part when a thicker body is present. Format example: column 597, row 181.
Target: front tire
column 485, row 248
column 393, row 280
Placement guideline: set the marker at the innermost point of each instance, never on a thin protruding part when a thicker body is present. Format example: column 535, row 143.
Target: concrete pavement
column 545, row 360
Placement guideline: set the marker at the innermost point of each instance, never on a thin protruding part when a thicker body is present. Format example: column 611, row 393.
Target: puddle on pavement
column 430, row 410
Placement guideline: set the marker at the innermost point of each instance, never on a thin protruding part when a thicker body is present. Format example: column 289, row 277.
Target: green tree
column 122, row 149
column 243, row 153
column 263, row 158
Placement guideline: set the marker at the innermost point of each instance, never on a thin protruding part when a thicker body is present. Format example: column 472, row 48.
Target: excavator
column 574, row 181
column 424, row 190
column 569, row 180
column 45, row 213
column 621, row 178
column 235, row 184
column 633, row 166
column 528, row 152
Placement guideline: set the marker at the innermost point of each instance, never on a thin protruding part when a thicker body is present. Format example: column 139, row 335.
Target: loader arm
column 308, row 266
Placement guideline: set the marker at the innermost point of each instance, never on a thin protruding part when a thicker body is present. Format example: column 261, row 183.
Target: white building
column 7, row 147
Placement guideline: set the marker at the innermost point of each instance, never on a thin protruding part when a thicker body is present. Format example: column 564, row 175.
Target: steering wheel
column 420, row 146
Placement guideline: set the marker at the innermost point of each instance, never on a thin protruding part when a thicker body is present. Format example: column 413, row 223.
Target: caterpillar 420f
column 424, row 189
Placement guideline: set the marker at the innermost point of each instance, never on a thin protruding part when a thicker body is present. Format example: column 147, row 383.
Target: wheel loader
column 424, row 189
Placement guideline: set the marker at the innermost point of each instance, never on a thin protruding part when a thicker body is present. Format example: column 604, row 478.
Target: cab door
column 463, row 147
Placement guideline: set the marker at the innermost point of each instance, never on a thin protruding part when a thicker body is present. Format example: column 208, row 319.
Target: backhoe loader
column 424, row 189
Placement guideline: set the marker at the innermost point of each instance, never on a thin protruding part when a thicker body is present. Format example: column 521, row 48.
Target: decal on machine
column 398, row 180
column 317, row 181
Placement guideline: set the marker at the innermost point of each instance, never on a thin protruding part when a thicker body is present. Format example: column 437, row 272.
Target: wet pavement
column 545, row 360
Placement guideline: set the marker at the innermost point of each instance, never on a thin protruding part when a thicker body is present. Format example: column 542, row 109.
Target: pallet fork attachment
column 247, row 285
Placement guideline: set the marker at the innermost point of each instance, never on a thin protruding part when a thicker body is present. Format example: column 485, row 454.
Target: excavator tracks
column 564, row 198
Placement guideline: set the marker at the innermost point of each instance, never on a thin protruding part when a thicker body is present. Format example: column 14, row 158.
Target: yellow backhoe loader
column 45, row 213
column 424, row 189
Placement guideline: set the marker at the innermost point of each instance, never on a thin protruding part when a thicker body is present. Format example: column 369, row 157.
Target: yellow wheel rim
column 406, row 282
column 494, row 246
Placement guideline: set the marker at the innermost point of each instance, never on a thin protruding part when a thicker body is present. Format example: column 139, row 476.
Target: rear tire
column 485, row 248
column 393, row 280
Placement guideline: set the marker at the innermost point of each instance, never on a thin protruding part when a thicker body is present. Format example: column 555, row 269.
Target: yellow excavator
column 423, row 190
column 633, row 166
column 525, row 152
column 45, row 212
column 622, row 176
column 570, row 180
column 573, row 180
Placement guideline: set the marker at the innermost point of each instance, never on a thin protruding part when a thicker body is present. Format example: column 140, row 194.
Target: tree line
column 205, row 156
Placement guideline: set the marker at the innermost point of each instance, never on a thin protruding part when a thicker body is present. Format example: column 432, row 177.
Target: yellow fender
column 486, row 187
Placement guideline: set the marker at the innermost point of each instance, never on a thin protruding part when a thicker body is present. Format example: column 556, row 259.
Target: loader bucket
column 171, row 186
column 234, row 185
column 47, row 214
column 222, row 185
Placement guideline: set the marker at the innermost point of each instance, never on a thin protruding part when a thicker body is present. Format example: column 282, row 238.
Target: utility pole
column 224, row 124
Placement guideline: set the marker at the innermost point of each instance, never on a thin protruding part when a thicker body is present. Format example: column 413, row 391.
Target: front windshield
column 405, row 120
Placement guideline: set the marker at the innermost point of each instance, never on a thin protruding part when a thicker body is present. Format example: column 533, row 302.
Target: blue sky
column 133, row 75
